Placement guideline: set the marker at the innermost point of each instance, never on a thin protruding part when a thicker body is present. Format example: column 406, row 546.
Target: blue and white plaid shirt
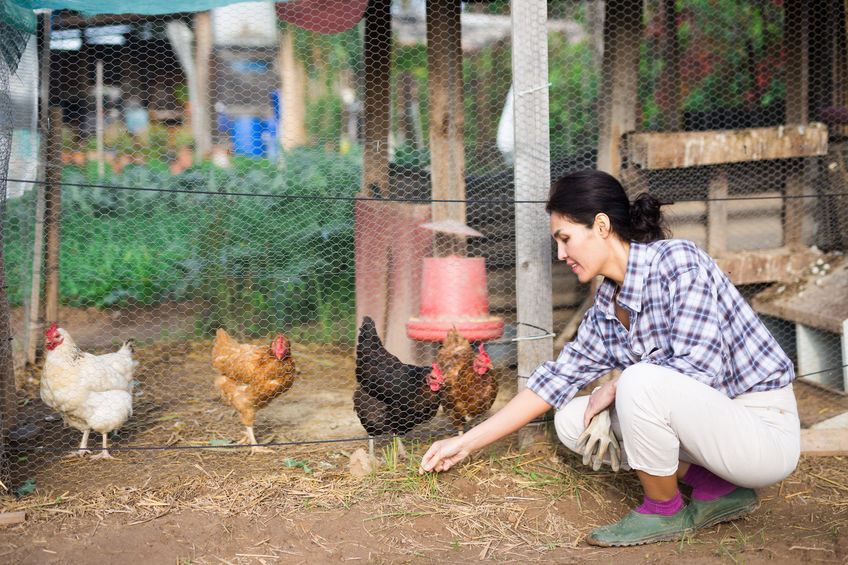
column 684, row 314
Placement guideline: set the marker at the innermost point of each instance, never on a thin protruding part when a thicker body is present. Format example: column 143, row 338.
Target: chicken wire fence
column 231, row 169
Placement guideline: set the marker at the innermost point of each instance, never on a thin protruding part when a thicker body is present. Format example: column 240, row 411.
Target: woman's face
column 582, row 248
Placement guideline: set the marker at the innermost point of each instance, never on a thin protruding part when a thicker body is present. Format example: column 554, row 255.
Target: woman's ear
column 602, row 224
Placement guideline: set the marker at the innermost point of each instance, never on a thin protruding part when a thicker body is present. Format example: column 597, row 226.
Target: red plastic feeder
column 454, row 295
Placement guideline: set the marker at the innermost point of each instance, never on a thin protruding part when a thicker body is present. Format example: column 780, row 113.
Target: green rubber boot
column 706, row 513
column 637, row 529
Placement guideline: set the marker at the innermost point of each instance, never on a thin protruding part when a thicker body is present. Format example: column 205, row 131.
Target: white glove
column 596, row 439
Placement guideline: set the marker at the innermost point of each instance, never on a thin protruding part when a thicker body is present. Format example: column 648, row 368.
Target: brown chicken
column 252, row 377
column 471, row 384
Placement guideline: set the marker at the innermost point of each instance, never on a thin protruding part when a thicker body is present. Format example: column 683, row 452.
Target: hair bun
column 646, row 218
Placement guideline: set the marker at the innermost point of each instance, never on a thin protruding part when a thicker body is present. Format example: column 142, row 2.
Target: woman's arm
column 445, row 453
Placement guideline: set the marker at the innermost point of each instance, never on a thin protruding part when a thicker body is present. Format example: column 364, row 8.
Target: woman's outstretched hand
column 446, row 453
column 443, row 455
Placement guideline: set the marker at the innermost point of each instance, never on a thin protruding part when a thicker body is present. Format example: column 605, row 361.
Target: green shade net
column 17, row 19
column 16, row 25
column 149, row 7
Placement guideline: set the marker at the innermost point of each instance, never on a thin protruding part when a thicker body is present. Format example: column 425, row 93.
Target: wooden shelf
column 697, row 148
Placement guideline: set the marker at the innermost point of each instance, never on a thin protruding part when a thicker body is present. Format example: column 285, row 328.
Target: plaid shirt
column 684, row 314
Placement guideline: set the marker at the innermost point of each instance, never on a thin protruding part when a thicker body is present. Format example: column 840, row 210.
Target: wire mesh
column 228, row 169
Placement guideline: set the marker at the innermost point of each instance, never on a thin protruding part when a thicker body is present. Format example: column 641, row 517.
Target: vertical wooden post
column 8, row 395
column 98, row 112
column 408, row 118
column 534, row 301
column 52, row 214
column 292, row 127
column 447, row 119
column 619, row 80
column 717, row 211
column 376, row 103
column 200, row 109
column 796, row 42
column 35, row 325
column 671, row 53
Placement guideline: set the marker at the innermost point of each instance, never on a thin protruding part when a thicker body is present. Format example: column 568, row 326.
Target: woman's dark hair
column 582, row 195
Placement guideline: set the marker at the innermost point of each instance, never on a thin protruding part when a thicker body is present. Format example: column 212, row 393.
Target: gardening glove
column 596, row 439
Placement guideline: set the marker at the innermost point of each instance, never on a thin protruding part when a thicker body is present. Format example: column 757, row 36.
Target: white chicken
column 92, row 392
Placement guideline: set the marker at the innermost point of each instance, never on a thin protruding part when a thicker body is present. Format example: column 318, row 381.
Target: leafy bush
column 248, row 241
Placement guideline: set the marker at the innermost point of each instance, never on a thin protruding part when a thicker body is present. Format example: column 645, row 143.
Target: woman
column 705, row 393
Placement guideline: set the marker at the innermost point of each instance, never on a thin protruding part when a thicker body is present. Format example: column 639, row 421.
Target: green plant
column 248, row 241
column 26, row 488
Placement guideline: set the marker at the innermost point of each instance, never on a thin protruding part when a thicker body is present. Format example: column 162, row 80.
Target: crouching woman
column 704, row 395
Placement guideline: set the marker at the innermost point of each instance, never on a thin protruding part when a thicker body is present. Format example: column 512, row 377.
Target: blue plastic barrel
column 247, row 137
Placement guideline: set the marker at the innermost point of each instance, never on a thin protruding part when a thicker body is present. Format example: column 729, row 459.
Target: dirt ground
column 175, row 495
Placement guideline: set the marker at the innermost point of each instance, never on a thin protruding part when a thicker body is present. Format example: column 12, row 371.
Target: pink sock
column 705, row 484
column 664, row 507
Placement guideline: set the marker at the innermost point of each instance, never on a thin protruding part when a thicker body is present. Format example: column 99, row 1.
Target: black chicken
column 392, row 397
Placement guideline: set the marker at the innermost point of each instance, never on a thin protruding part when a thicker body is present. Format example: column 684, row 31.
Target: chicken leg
column 104, row 454
column 250, row 439
column 83, row 448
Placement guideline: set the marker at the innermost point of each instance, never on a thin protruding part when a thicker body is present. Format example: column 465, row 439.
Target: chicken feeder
column 454, row 295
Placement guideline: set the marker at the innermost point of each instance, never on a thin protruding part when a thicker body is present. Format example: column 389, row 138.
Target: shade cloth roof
column 325, row 16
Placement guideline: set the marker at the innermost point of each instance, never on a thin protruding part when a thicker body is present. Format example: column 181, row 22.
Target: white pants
column 662, row 417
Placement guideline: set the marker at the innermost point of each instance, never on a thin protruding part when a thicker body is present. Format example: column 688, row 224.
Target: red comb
column 51, row 331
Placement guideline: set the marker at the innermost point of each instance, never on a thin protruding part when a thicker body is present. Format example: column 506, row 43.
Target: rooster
column 392, row 397
column 91, row 392
column 252, row 376
column 471, row 384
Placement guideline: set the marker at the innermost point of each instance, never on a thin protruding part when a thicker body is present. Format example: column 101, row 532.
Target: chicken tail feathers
column 368, row 330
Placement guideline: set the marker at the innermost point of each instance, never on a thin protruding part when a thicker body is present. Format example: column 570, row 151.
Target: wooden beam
column 65, row 19
column 7, row 518
column 817, row 301
column 765, row 265
column 698, row 148
column 824, row 442
column 376, row 99
column 619, row 80
column 447, row 119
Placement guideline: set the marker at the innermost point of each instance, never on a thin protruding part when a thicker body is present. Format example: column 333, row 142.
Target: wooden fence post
column 34, row 326
column 447, row 119
column 534, row 301
column 52, row 213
